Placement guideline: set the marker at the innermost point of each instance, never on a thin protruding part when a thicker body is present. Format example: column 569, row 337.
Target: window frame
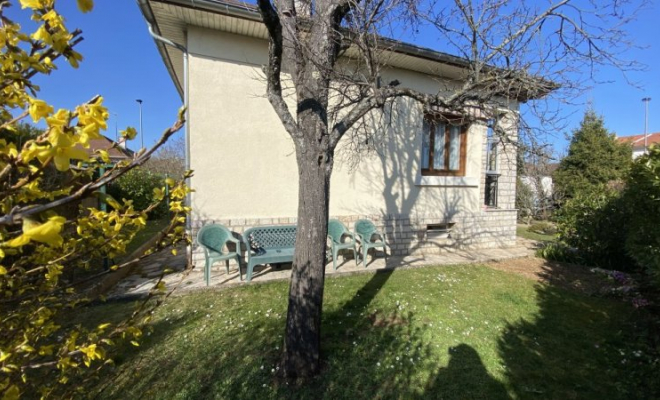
column 462, row 152
column 491, row 190
column 491, row 184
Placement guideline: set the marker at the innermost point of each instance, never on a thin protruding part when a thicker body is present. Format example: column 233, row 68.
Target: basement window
column 441, row 230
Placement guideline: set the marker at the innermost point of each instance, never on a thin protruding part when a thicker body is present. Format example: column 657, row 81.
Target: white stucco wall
column 245, row 170
column 244, row 161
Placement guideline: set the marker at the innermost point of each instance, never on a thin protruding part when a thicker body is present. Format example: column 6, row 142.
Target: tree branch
column 18, row 213
column 274, row 68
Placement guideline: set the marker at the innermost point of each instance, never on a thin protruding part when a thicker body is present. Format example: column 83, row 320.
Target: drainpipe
column 187, row 132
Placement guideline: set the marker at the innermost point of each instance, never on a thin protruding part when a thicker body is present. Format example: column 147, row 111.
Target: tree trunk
column 303, row 325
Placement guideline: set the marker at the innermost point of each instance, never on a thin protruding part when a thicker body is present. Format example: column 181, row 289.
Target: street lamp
column 116, row 129
column 141, row 133
column 646, row 121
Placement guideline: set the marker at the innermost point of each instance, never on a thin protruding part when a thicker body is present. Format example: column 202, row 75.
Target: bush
column 558, row 251
column 49, row 247
column 524, row 200
column 643, row 193
column 543, row 228
column 595, row 224
column 138, row 185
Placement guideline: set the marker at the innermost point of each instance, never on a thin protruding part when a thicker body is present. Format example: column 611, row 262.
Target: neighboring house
column 539, row 180
column 115, row 151
column 245, row 171
column 637, row 142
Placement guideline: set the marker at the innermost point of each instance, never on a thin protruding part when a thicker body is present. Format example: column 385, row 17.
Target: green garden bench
column 366, row 232
column 213, row 238
column 269, row 245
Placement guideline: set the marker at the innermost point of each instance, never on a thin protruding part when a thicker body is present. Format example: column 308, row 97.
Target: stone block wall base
column 406, row 235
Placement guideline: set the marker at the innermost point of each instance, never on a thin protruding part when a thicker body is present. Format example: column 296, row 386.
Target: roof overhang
column 170, row 18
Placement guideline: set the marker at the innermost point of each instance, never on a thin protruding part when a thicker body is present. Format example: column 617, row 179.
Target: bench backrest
column 271, row 237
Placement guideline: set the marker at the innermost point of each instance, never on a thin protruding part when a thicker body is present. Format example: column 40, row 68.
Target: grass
column 153, row 227
column 522, row 231
column 452, row 332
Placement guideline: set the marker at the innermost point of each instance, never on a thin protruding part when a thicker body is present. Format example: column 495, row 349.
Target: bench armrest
column 248, row 249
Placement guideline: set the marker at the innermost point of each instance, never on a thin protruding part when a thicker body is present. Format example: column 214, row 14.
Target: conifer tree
column 594, row 158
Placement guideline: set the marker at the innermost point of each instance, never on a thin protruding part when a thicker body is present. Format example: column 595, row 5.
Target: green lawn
column 153, row 227
column 452, row 332
column 522, row 231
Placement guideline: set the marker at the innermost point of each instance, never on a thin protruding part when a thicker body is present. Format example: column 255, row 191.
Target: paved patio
column 143, row 279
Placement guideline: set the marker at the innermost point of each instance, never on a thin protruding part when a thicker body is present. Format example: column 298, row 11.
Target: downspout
column 183, row 50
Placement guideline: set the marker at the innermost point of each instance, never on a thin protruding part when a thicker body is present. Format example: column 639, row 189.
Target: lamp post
column 646, row 122
column 141, row 133
column 116, row 129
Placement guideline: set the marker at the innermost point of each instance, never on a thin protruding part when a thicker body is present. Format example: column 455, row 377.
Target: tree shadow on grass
column 388, row 354
column 367, row 353
column 375, row 349
column 576, row 347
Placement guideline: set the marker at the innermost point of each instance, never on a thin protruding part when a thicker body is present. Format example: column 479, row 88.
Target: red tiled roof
column 638, row 140
column 105, row 143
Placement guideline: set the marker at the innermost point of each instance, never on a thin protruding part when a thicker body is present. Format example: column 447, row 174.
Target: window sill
column 429, row 180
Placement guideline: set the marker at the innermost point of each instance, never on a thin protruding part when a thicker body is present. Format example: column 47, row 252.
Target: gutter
column 237, row 9
column 251, row 12
column 161, row 43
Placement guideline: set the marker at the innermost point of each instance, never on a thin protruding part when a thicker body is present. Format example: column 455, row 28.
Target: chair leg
column 207, row 271
column 227, row 266
column 364, row 259
column 355, row 255
column 334, row 258
column 249, row 272
column 238, row 262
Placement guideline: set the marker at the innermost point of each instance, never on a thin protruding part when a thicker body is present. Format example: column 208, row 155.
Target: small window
column 491, row 151
column 491, row 190
column 443, row 148
column 490, row 197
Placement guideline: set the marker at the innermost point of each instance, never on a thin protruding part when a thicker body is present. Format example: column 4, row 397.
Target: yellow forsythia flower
column 48, row 232
column 8, row 149
column 31, row 4
column 39, row 109
column 63, row 156
column 104, row 155
column 60, row 118
column 54, row 20
column 43, row 35
column 85, row 5
column 130, row 133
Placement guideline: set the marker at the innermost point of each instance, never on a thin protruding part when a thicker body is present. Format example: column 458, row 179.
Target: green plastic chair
column 365, row 231
column 336, row 232
column 213, row 238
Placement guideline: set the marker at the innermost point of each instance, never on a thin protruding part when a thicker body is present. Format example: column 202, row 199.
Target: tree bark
column 303, row 326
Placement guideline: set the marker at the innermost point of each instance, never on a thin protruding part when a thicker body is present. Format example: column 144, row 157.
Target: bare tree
column 169, row 160
column 331, row 53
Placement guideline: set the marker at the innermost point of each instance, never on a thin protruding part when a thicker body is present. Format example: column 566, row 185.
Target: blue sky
column 122, row 64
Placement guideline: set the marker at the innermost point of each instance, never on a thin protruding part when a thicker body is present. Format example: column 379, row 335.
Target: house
column 244, row 161
column 116, row 152
column 637, row 142
column 538, row 178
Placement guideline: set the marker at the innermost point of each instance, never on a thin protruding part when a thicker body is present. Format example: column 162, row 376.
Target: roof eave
column 148, row 14
column 249, row 12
